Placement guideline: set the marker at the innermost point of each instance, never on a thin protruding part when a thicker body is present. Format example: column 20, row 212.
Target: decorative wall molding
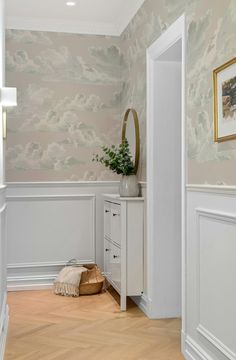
column 44, row 264
column 51, row 197
column 36, row 265
column 216, row 343
column 193, row 351
column 215, row 189
column 65, row 184
column 3, row 312
column 3, row 208
column 26, row 202
column 34, row 220
column 223, row 217
column 211, row 231
column 61, row 184
column 214, row 214
column 3, row 306
column 4, row 318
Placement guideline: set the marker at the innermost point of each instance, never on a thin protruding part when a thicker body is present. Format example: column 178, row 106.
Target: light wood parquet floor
column 46, row 326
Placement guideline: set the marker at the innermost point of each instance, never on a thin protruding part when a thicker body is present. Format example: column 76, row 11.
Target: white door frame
column 174, row 33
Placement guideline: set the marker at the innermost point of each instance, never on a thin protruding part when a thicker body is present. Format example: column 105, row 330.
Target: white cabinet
column 107, row 254
column 123, row 245
column 107, row 222
column 115, row 261
column 115, row 223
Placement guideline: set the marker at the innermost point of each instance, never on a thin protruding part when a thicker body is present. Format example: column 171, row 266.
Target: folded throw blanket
column 68, row 281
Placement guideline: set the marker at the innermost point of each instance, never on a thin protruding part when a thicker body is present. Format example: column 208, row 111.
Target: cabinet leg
column 123, row 303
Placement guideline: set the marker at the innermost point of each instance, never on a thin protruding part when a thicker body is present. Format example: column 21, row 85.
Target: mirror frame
column 137, row 135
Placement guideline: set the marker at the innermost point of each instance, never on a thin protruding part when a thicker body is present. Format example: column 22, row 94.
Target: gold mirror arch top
column 137, row 135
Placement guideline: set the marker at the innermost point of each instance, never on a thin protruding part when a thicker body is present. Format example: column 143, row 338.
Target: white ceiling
column 101, row 17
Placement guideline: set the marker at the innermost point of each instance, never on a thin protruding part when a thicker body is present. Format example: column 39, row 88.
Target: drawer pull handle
column 107, row 250
column 115, row 214
column 115, row 256
column 107, row 211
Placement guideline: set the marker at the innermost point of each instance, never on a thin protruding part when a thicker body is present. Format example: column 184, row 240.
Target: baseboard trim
column 30, row 282
column 35, row 276
column 193, row 351
column 29, row 287
column 143, row 302
column 216, row 343
column 4, row 329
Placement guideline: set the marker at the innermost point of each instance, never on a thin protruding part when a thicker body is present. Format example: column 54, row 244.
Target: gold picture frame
column 224, row 126
column 137, row 134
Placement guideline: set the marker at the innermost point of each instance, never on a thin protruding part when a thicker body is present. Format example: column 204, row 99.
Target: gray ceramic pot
column 129, row 186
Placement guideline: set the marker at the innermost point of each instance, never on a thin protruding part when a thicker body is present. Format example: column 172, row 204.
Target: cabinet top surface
column 118, row 198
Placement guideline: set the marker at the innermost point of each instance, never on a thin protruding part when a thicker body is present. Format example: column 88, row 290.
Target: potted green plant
column 119, row 160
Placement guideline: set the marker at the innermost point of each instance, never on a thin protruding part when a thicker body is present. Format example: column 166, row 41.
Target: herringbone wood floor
column 46, row 326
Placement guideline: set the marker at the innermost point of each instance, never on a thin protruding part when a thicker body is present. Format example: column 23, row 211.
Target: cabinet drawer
column 107, row 219
column 115, row 262
column 107, row 258
column 115, row 224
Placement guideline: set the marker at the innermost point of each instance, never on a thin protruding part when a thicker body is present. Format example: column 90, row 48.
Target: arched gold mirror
column 130, row 131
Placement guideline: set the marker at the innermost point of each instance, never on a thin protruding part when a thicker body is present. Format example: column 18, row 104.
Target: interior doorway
column 166, row 173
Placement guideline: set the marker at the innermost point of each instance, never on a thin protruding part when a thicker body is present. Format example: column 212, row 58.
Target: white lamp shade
column 9, row 96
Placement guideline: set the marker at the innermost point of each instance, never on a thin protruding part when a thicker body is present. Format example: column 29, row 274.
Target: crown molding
column 56, row 25
column 129, row 13
column 76, row 27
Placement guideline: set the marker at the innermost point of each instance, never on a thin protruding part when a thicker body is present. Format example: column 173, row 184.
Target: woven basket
column 91, row 281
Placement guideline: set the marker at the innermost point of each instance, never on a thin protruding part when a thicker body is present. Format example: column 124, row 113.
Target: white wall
column 166, row 285
column 165, row 113
column 49, row 224
column 211, row 273
column 3, row 295
column 3, row 298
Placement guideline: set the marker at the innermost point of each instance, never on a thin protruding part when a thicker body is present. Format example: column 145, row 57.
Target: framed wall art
column 224, row 82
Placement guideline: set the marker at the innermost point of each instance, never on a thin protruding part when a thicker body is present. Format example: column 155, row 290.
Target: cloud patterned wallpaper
column 69, row 89
column 74, row 89
column 211, row 41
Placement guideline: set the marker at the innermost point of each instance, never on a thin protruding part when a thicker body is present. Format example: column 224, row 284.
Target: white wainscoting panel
column 4, row 317
column 2, row 249
column 49, row 224
column 3, row 295
column 217, row 278
column 65, row 228
column 211, row 274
